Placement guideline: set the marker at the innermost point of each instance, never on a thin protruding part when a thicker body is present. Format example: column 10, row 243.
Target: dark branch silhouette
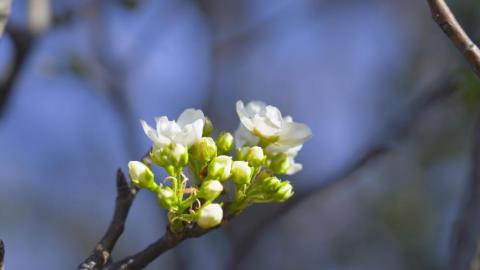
column 101, row 254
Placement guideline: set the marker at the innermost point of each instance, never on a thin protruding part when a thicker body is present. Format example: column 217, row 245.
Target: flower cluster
column 266, row 146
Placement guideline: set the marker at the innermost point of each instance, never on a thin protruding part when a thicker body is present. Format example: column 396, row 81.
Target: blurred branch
column 467, row 227
column 466, row 231
column 444, row 17
column 113, row 75
column 5, row 6
column 101, row 254
column 22, row 45
column 417, row 107
column 2, row 255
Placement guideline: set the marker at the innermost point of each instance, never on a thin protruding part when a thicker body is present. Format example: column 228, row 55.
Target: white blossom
column 186, row 130
column 261, row 122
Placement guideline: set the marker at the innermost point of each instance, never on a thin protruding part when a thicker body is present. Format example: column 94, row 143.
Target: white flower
column 186, row 130
column 260, row 122
column 294, row 167
column 210, row 216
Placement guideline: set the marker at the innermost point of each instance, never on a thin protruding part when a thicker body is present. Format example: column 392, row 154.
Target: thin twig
column 418, row 106
column 466, row 232
column 444, row 17
column 2, row 255
column 22, row 44
column 168, row 241
column 101, row 254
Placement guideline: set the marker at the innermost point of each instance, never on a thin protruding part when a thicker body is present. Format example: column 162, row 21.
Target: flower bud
column 166, row 197
column 178, row 155
column 207, row 127
column 174, row 155
column 210, row 190
column 284, row 192
column 280, row 163
column 242, row 153
column 210, row 216
column 203, row 150
column 220, row 168
column 255, row 156
column 241, row 172
column 224, row 142
column 269, row 185
column 141, row 175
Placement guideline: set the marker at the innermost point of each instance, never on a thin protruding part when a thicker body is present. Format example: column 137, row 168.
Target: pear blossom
column 264, row 123
column 210, row 216
column 185, row 131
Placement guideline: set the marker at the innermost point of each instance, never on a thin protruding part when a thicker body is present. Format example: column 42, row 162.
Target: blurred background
column 384, row 174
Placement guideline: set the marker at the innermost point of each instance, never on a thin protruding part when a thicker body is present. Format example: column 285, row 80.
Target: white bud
column 141, row 175
column 220, row 168
column 210, row 189
column 241, row 172
column 255, row 156
column 210, row 216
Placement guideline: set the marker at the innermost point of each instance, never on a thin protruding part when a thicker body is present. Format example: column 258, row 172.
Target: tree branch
column 417, row 106
column 22, row 44
column 2, row 255
column 444, row 17
column 101, row 254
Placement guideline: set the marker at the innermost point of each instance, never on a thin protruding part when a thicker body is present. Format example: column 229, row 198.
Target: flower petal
column 189, row 116
column 244, row 137
column 274, row 116
column 296, row 167
column 157, row 139
column 294, row 134
column 244, row 116
column 255, row 107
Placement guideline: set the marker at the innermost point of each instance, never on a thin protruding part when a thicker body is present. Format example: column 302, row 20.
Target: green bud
column 203, row 150
column 207, row 127
column 224, row 142
column 220, row 168
column 141, row 175
column 280, row 163
column 175, row 155
column 269, row 185
column 242, row 153
column 255, row 156
column 241, row 172
column 210, row 190
column 166, row 197
column 210, row 216
column 284, row 192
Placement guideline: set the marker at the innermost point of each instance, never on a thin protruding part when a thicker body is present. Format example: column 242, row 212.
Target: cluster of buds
column 266, row 146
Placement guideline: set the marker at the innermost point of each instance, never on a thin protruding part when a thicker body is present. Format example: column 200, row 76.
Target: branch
column 168, row 241
column 466, row 231
column 417, row 106
column 22, row 43
column 101, row 254
column 444, row 17
column 2, row 254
